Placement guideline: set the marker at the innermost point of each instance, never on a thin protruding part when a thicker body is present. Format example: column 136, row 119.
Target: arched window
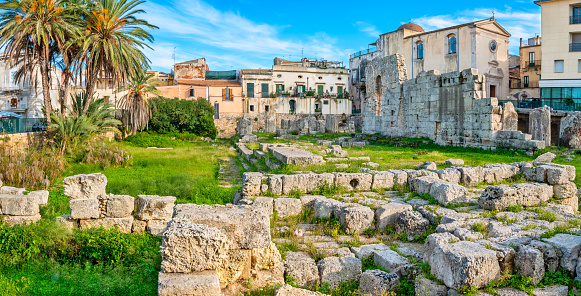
column 420, row 50
column 452, row 44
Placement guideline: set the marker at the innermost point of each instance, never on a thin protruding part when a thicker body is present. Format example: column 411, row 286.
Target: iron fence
column 537, row 103
column 21, row 125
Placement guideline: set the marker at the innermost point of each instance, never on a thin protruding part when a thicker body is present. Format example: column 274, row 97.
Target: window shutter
column 223, row 94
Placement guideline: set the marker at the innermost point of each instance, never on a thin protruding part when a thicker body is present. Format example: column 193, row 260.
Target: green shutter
column 320, row 89
column 339, row 89
column 265, row 93
column 250, row 90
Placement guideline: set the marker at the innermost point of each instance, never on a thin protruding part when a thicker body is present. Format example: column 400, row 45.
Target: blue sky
column 239, row 34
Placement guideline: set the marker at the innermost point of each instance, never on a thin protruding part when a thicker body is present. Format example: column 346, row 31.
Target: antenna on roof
column 493, row 12
column 410, row 20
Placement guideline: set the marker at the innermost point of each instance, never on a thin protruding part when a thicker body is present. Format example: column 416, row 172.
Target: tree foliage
column 174, row 115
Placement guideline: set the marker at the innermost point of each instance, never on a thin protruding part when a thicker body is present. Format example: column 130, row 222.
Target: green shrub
column 103, row 153
column 174, row 115
column 145, row 140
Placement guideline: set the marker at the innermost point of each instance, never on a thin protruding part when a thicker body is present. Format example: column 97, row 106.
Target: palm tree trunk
column 44, row 73
column 90, row 89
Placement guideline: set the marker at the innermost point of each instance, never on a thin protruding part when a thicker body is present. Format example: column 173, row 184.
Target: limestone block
column 504, row 254
column 306, row 182
column 551, row 291
column 356, row 219
column 464, row 264
column 390, row 260
column 67, row 222
column 547, row 157
column 203, row 283
column 426, row 287
column 270, row 125
column 251, row 184
column 428, row 166
column 286, row 207
column 266, row 258
column 354, row 181
column 336, row 270
column 529, row 262
column 138, row 226
column 383, row 180
column 449, row 193
column 84, row 208
column 156, row 227
column 540, row 124
column 41, row 195
column 308, row 201
column 20, row 220
column 244, row 126
column 509, row 117
column 557, row 175
column 288, row 290
column 123, row 224
column 265, row 204
column 411, row 223
column 366, row 250
column 85, row 186
column 570, row 133
column 154, row 207
column 302, row 268
column 450, row 175
column 422, row 185
column 504, row 196
column 189, row 247
column 572, row 202
column 471, row 176
column 387, row 214
column 235, row 267
column 246, row 227
column 119, row 206
column 324, row 208
column 567, row 190
column 550, row 254
column 275, row 184
column 18, row 205
column 569, row 245
column 378, row 283
column 454, row 161
column 12, row 190
column 437, row 239
column 399, row 177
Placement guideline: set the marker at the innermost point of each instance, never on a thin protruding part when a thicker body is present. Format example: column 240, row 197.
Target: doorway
column 493, row 91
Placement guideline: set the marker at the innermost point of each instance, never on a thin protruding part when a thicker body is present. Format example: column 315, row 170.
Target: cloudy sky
column 238, row 34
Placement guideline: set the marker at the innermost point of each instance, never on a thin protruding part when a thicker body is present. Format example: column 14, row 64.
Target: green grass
column 187, row 172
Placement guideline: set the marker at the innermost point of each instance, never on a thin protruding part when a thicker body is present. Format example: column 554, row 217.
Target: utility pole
column 174, row 61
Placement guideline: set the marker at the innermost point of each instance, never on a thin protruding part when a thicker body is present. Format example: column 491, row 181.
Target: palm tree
column 136, row 104
column 113, row 42
column 29, row 32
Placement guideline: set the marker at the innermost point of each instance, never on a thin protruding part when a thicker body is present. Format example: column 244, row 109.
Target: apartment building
column 529, row 72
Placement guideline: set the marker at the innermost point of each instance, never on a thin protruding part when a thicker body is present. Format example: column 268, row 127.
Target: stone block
column 399, row 177
column 324, row 208
column 378, row 283
column 286, row 207
column 302, row 268
column 251, row 184
column 67, row 222
column 138, row 226
column 569, row 245
column 288, row 290
column 550, row 254
column 265, row 204
column 123, row 224
column 428, row 166
column 85, row 186
column 18, row 205
column 189, row 247
column 156, row 227
column 275, row 184
column 336, row 270
column 567, row 190
column 551, row 291
column 557, row 175
column 504, row 196
column 464, row 264
column 119, row 206
column 246, row 227
column 471, row 176
column 422, row 185
column 411, row 223
column 203, row 283
column 266, row 258
column 12, row 190
column 390, row 260
column 84, row 208
column 154, row 207
column 509, row 117
column 454, row 161
column 356, row 219
column 366, row 250
column 426, row 287
column 387, row 214
column 437, row 239
column 383, row 180
column 20, row 220
column 305, row 182
column 449, row 193
column 449, row 175
column 529, row 262
column 41, row 196
column 354, row 181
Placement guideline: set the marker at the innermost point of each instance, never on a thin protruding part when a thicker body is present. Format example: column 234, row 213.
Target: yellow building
column 561, row 53
column 529, row 71
column 161, row 78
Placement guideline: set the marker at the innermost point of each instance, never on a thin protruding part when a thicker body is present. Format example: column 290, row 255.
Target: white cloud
column 519, row 23
column 216, row 34
column 364, row 27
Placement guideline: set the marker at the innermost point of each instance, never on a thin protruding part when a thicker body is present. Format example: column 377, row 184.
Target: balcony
column 533, row 64
column 576, row 19
column 574, row 47
column 519, row 85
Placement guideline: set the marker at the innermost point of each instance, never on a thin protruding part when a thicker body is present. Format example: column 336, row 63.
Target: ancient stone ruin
column 18, row 207
column 448, row 108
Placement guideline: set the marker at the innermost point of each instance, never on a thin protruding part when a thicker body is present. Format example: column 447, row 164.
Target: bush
column 103, row 153
column 174, row 115
column 152, row 140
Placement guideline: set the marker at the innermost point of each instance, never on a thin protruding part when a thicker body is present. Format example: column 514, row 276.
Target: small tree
column 136, row 104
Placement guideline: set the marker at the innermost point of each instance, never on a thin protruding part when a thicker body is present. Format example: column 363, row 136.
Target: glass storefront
column 561, row 98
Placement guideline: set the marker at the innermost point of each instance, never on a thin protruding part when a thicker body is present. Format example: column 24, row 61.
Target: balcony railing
column 535, row 63
column 517, row 85
column 575, row 19
column 574, row 47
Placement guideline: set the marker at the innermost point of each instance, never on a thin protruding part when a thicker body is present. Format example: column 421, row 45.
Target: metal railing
column 517, row 85
column 535, row 63
column 574, row 47
column 555, row 104
column 575, row 19
column 21, row 125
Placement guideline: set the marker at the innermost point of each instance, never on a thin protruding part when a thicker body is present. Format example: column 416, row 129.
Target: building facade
column 481, row 45
column 560, row 82
column 527, row 88
column 161, row 78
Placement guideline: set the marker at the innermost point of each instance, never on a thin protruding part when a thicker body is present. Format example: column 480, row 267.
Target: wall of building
column 191, row 70
column 226, row 124
column 310, row 77
column 234, row 106
column 303, row 105
column 258, row 80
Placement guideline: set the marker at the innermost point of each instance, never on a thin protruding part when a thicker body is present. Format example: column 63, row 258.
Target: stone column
column 509, row 117
column 270, row 125
column 244, row 126
column 540, row 124
column 331, row 123
column 570, row 133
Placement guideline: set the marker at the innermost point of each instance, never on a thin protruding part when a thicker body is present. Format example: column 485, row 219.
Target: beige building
column 529, row 72
column 482, row 45
column 161, row 78
column 561, row 53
